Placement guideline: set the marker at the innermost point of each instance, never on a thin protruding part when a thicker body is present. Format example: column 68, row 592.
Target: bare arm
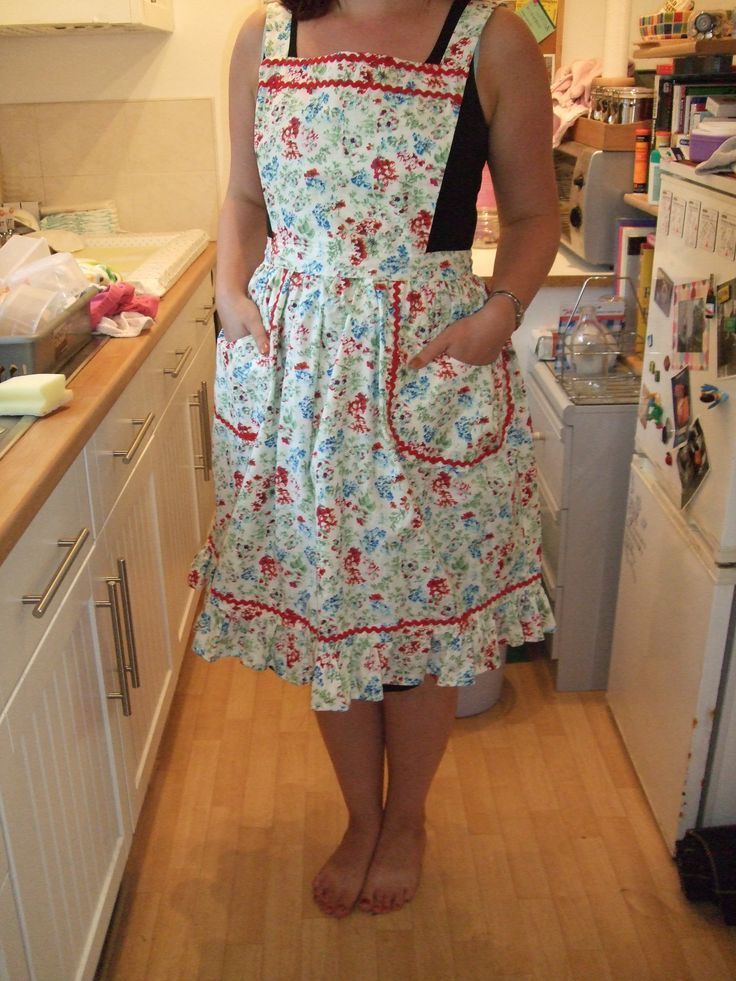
column 514, row 93
column 241, row 235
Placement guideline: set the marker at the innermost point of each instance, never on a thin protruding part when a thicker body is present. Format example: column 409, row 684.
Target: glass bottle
column 590, row 353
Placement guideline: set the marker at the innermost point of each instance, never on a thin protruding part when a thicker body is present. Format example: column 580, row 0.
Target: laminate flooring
column 544, row 860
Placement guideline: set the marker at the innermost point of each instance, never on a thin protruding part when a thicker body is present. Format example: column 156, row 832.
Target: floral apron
column 374, row 523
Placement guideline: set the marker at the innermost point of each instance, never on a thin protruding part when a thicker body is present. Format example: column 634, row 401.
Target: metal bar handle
column 132, row 669
column 41, row 603
column 182, row 355
column 112, row 605
column 145, row 424
column 204, row 431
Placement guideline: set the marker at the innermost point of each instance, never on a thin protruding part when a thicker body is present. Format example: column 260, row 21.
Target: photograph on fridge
column 689, row 326
column 692, row 463
column 663, row 289
column 726, row 329
column 681, row 405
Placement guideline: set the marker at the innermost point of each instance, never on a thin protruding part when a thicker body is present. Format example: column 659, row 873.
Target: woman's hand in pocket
column 239, row 317
column 477, row 339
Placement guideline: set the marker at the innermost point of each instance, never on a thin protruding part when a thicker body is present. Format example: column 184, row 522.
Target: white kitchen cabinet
column 129, row 552
column 13, row 963
column 79, row 726
column 62, row 814
column 583, row 454
column 183, row 476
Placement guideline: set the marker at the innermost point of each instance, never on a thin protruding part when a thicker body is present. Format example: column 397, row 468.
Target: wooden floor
column 544, row 861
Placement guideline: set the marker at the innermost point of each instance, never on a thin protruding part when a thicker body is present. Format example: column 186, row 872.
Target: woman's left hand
column 477, row 339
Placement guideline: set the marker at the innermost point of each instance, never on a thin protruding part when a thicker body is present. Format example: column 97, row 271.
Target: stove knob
column 576, row 217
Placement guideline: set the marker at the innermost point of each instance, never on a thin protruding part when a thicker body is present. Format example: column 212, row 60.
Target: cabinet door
column 65, row 827
column 128, row 552
column 183, row 493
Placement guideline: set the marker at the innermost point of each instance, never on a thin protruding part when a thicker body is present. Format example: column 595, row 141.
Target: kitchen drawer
column 127, row 428
column 31, row 567
column 549, row 442
column 174, row 352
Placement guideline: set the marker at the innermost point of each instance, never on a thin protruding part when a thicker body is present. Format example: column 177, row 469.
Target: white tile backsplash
column 155, row 158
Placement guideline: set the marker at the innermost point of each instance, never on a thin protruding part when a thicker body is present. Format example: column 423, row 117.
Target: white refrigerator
column 672, row 682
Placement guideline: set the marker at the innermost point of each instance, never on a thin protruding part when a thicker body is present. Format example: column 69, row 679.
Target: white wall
column 190, row 63
column 585, row 21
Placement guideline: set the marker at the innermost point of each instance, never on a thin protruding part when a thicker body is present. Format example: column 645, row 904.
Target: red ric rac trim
column 374, row 61
column 417, row 449
column 292, row 617
column 277, row 84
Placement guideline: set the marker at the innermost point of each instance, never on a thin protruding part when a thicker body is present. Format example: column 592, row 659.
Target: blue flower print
column 372, row 539
column 321, row 216
column 361, row 179
column 306, row 407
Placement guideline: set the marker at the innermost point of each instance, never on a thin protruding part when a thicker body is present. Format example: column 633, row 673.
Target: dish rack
column 621, row 384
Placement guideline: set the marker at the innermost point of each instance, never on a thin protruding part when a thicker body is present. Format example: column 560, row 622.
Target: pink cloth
column 570, row 92
column 121, row 298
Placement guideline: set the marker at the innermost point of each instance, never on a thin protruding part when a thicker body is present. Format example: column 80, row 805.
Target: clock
column 704, row 24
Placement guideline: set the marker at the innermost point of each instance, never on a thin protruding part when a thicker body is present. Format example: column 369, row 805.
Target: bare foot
column 394, row 874
column 338, row 883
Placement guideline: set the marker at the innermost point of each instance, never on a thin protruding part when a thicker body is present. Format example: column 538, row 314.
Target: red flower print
column 282, row 483
column 352, row 563
column 356, row 408
column 441, row 487
column 269, row 567
column 421, row 224
column 384, row 171
column 326, row 518
column 438, row 588
column 292, row 654
column 288, row 135
column 416, row 303
column 359, row 252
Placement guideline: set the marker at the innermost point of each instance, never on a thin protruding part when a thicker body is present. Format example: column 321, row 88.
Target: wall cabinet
column 583, row 454
column 85, row 688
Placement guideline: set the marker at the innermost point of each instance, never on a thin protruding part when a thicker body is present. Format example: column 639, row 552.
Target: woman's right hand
column 240, row 316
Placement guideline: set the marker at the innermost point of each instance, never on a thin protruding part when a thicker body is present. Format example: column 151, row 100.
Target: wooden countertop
column 32, row 468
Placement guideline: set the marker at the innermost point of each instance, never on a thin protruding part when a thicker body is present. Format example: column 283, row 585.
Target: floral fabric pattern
column 374, row 523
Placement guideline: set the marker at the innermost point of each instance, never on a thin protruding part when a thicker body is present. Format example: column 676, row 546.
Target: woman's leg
column 354, row 741
column 417, row 726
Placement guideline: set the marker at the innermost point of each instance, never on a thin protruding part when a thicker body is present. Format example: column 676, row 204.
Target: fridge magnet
column 712, row 396
column 663, row 287
column 681, row 405
column 726, row 235
column 677, row 217
column 707, row 229
column 726, row 329
column 692, row 222
column 692, row 463
column 690, row 338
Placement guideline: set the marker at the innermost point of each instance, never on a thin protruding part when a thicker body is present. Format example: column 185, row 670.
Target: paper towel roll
column 616, row 38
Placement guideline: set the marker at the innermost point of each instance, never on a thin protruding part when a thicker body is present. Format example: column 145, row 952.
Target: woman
column 377, row 534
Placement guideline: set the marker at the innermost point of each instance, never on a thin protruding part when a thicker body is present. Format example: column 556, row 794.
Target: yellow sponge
column 33, row 395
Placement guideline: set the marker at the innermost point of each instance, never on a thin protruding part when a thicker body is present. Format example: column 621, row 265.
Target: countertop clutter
column 34, row 466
